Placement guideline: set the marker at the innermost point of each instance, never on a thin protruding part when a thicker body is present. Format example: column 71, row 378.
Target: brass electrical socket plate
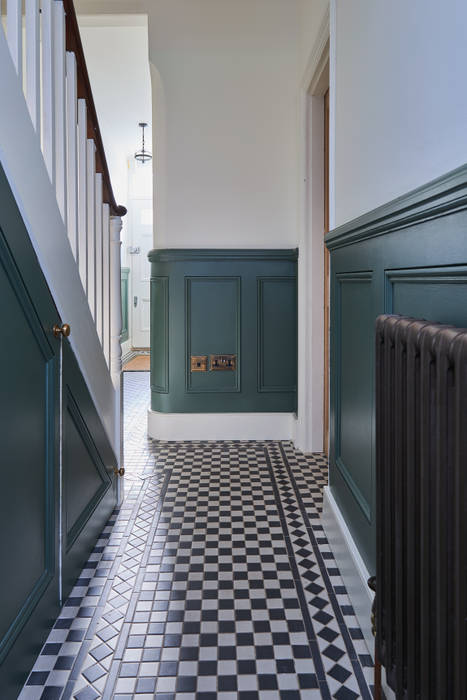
column 223, row 363
column 199, row 363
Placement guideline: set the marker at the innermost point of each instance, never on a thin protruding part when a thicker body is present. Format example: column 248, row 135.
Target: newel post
column 115, row 301
column 115, row 334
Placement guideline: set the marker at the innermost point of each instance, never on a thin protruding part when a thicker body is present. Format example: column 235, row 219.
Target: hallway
column 213, row 580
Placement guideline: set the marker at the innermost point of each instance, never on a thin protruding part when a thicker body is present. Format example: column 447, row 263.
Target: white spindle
column 72, row 152
column 91, row 188
column 33, row 62
column 60, row 106
column 14, row 23
column 106, row 280
column 98, row 255
column 48, row 84
column 82, row 194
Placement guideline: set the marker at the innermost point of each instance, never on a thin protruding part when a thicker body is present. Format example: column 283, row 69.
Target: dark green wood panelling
column 442, row 291
column 160, row 334
column 27, row 417
column 89, row 484
column 212, row 308
column 29, row 463
column 29, row 451
column 213, row 326
column 353, row 357
column 125, row 273
column 410, row 257
column 277, row 328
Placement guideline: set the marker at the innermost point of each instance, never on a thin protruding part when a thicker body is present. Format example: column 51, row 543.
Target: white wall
column 401, row 106
column 225, row 80
column 116, row 51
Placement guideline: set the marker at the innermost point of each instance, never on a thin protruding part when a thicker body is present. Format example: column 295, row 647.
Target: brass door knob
column 119, row 472
column 64, row 330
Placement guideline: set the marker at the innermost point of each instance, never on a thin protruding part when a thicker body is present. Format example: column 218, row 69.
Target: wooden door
column 326, row 276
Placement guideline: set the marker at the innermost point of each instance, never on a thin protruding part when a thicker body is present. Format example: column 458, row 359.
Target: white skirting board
column 350, row 563
column 353, row 571
column 220, row 426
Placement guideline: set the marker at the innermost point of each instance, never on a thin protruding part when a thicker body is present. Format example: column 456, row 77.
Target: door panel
column 89, row 485
column 27, row 464
column 30, row 455
column 29, row 451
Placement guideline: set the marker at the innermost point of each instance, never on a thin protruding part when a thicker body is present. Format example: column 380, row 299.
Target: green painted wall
column 408, row 257
column 240, row 302
column 125, row 274
column 29, row 420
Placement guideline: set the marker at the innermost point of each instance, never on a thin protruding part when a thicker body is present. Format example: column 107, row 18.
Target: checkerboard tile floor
column 213, row 580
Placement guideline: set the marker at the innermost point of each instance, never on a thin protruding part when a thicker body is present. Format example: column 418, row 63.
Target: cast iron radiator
column 421, row 458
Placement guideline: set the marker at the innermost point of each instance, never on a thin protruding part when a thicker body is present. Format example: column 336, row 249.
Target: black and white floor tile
column 213, row 580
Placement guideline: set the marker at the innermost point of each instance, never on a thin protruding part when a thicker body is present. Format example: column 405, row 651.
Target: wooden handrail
column 73, row 43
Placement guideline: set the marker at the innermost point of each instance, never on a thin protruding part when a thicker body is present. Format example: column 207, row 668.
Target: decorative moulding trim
column 162, row 255
column 73, row 530
column 260, row 282
column 451, row 274
column 238, row 325
column 318, row 57
column 163, row 281
column 365, row 277
column 220, row 426
column 440, row 197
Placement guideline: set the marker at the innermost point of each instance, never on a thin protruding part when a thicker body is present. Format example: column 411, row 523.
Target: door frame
column 310, row 424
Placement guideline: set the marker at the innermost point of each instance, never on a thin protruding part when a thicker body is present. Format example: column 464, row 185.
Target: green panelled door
column 29, row 457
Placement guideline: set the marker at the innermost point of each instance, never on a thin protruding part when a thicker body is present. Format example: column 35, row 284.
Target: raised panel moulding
column 280, row 326
column 440, row 197
column 225, row 382
column 456, row 274
column 160, row 335
column 346, row 471
column 207, row 254
column 76, row 527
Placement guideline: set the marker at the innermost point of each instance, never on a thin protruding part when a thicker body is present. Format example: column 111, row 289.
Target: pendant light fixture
column 143, row 156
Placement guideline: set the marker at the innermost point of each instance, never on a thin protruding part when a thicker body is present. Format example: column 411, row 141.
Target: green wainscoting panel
column 160, row 334
column 213, row 326
column 89, row 485
column 407, row 257
column 277, row 328
column 125, row 274
column 442, row 290
column 353, row 358
column 229, row 302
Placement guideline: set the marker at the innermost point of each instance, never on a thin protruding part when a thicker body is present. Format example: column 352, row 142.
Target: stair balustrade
column 45, row 45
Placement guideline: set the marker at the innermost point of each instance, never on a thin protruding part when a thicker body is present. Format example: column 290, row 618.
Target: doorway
column 140, row 242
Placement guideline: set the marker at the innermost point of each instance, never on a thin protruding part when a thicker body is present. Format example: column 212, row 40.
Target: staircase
column 60, row 396
column 48, row 114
